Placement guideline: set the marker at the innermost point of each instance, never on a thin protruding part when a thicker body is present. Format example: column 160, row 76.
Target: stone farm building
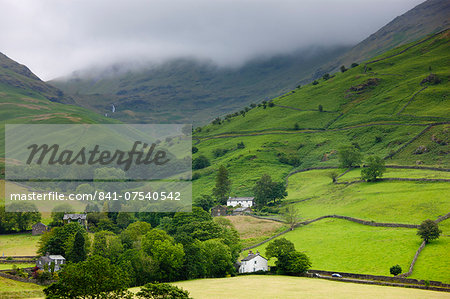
column 218, row 211
column 253, row 262
column 80, row 218
column 242, row 211
column 48, row 259
column 245, row 202
column 38, row 229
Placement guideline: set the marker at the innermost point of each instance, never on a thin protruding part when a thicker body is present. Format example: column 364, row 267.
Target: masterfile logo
column 144, row 156
column 131, row 167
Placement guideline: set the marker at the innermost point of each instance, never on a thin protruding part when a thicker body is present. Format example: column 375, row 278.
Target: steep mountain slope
column 24, row 98
column 186, row 90
column 388, row 108
column 18, row 76
column 428, row 17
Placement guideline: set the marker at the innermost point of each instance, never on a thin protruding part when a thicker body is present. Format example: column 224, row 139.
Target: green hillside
column 427, row 17
column 187, row 90
column 384, row 110
column 25, row 99
column 386, row 107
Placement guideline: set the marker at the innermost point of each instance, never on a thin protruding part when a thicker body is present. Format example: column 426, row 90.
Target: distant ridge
column 16, row 75
column 428, row 17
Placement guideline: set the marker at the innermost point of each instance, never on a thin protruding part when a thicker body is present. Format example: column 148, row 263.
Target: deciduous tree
column 373, row 169
column 223, row 185
column 429, row 230
column 349, row 156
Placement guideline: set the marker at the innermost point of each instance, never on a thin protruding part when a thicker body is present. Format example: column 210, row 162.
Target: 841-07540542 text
column 98, row 195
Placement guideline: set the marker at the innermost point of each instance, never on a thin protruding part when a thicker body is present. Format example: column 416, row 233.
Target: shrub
column 378, row 139
column 217, row 121
column 44, row 276
column 291, row 159
column 196, row 176
column 395, row 270
column 200, row 162
column 433, row 79
column 343, row 69
column 333, row 175
column 194, row 149
column 315, row 82
column 219, row 152
column 240, row 145
column 162, row 290
column 271, row 104
column 326, row 76
column 320, row 108
column 296, row 127
column 354, row 64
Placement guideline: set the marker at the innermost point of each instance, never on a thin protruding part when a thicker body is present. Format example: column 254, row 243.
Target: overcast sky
column 55, row 37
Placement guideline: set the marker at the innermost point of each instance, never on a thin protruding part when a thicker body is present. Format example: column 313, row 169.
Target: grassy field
column 16, row 289
column 339, row 245
column 391, row 201
column 294, row 287
column 252, row 230
column 18, row 244
column 435, row 253
column 364, row 249
column 10, row 266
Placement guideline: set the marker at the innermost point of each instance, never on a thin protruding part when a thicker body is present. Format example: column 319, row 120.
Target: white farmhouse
column 48, row 259
column 253, row 262
column 245, row 202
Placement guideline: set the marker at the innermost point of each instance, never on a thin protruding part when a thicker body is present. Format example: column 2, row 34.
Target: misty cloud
column 55, row 37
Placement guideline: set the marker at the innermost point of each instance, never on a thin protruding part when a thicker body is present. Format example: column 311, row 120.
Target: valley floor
column 271, row 286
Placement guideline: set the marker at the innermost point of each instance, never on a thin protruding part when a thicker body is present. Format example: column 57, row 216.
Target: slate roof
column 51, row 257
column 251, row 256
column 74, row 216
column 56, row 257
column 219, row 207
column 241, row 198
column 39, row 224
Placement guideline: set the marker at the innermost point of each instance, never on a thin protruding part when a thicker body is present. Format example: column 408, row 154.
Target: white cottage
column 245, row 202
column 48, row 259
column 253, row 262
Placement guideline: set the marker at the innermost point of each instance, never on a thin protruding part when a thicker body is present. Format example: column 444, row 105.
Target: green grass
column 339, row 245
column 350, row 247
column 18, row 244
column 261, row 153
column 269, row 131
column 435, row 253
column 15, row 289
column 19, row 265
column 399, row 173
column 391, row 201
column 269, row 286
